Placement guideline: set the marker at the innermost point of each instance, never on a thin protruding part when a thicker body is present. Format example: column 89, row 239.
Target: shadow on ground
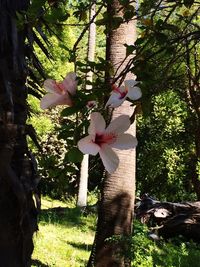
column 81, row 246
column 38, row 263
column 64, row 216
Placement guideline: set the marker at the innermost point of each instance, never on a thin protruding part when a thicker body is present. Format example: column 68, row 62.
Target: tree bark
column 193, row 102
column 83, row 183
column 117, row 201
column 18, row 219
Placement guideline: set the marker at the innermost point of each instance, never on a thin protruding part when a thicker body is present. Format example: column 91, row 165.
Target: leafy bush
column 172, row 253
column 59, row 177
column 162, row 151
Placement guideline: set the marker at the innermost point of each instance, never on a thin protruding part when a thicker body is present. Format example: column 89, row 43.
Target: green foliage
column 174, row 253
column 74, row 155
column 42, row 123
column 162, row 149
column 166, row 133
column 57, row 14
column 161, row 44
column 160, row 66
column 59, row 65
column 60, row 161
column 59, row 177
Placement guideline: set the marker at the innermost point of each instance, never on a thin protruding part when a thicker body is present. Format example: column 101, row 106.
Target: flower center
column 101, row 139
column 123, row 94
column 117, row 89
column 60, row 88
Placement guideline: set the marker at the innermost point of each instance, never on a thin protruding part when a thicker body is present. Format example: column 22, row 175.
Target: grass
column 65, row 235
column 174, row 252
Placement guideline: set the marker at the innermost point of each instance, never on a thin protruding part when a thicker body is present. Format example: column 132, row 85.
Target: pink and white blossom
column 119, row 94
column 101, row 139
column 59, row 93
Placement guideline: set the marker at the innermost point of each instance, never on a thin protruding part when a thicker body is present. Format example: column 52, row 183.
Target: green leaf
column 101, row 22
column 130, row 49
column 69, row 111
column 161, row 37
column 74, row 155
column 171, row 27
column 71, row 169
column 116, row 22
column 159, row 23
column 66, row 134
column 124, row 2
column 129, row 13
column 140, row 41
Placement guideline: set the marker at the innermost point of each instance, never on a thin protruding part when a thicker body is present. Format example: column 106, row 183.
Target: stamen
column 101, row 139
column 59, row 86
column 117, row 89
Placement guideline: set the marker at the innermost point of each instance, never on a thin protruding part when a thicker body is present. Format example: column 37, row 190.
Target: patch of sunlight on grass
column 48, row 203
column 65, row 236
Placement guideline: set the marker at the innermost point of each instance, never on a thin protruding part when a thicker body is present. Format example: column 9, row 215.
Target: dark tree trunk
column 18, row 214
column 193, row 102
column 194, row 161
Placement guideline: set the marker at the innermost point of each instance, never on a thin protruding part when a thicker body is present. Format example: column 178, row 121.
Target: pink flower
column 119, row 94
column 59, row 92
column 101, row 139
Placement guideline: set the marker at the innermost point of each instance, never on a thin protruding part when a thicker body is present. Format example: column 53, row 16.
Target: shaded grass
column 65, row 235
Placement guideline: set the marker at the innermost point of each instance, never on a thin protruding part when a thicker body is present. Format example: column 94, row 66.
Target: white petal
column 70, row 83
column 52, row 100
column 87, row 146
column 119, row 125
column 122, row 89
column 109, row 158
column 97, row 123
column 50, row 86
column 130, row 83
column 134, row 93
column 114, row 100
column 125, row 141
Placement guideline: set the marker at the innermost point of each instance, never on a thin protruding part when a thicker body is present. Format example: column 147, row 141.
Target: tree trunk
column 195, row 155
column 117, row 203
column 18, row 219
column 83, row 184
column 193, row 102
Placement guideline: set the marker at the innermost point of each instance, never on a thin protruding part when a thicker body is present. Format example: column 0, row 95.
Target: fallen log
column 169, row 219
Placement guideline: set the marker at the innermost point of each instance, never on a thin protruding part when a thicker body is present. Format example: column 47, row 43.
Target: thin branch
column 86, row 28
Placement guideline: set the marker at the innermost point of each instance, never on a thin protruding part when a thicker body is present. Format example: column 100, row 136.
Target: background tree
column 83, row 183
